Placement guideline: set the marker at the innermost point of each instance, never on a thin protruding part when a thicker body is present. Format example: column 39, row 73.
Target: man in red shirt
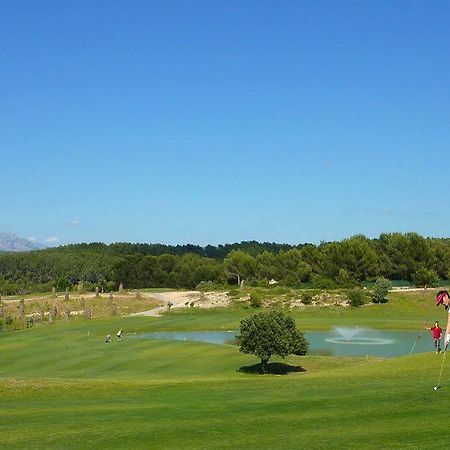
column 437, row 333
column 443, row 298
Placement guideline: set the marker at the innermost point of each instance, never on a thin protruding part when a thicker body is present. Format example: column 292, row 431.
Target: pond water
column 339, row 341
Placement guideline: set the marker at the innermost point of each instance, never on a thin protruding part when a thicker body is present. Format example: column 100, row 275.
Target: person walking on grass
column 119, row 335
column 436, row 331
column 442, row 298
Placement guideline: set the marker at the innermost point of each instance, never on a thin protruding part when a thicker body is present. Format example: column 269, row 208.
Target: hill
column 9, row 242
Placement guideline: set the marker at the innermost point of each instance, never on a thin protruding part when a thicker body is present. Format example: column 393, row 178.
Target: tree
column 403, row 254
column 266, row 266
column 425, row 278
column 270, row 333
column 240, row 265
column 291, row 268
column 62, row 284
column 355, row 255
column 380, row 290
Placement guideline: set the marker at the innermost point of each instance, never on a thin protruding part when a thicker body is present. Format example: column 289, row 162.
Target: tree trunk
column 264, row 365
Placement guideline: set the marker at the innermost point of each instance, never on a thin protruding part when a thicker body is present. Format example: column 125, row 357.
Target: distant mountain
column 9, row 242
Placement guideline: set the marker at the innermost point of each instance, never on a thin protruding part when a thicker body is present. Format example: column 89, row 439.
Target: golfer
column 436, row 331
column 442, row 297
column 119, row 334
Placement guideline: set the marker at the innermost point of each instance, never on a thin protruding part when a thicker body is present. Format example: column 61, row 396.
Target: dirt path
column 177, row 299
column 185, row 299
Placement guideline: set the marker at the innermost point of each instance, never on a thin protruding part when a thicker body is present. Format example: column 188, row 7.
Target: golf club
column 417, row 338
column 438, row 386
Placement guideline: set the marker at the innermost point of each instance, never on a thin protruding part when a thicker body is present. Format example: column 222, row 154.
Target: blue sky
column 221, row 121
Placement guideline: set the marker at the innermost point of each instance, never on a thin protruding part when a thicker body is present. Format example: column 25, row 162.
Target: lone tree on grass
column 270, row 333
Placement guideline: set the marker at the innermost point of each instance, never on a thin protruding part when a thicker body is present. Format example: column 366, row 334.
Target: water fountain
column 348, row 336
column 347, row 333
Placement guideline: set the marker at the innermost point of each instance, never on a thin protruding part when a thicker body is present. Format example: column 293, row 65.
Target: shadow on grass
column 274, row 368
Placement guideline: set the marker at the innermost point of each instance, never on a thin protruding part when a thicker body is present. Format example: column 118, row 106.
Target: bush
column 279, row 290
column 234, row 293
column 306, row 298
column 380, row 290
column 319, row 282
column 255, row 300
column 356, row 297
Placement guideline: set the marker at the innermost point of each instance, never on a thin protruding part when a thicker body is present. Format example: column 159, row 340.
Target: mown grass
column 62, row 387
column 147, row 394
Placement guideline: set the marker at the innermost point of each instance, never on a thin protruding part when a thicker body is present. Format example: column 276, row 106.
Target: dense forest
column 396, row 256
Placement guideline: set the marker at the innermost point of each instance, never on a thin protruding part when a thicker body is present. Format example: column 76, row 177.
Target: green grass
column 404, row 311
column 62, row 387
column 383, row 405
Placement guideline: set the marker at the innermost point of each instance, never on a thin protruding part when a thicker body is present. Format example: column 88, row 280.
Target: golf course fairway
column 61, row 386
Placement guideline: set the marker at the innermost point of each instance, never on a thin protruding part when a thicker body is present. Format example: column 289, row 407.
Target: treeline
column 345, row 263
column 209, row 251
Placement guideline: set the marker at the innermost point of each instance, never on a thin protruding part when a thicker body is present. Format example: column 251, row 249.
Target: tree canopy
column 270, row 333
column 346, row 263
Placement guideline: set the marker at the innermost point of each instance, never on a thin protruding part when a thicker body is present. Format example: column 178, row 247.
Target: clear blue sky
column 221, row 121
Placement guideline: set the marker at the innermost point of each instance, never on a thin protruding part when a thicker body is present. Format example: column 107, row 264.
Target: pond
column 339, row 341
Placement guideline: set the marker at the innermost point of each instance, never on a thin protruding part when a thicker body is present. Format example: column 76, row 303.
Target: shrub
column 357, row 297
column 234, row 293
column 319, row 282
column 380, row 290
column 306, row 298
column 255, row 300
column 279, row 290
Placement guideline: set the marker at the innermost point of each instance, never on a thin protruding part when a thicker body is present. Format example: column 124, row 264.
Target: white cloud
column 52, row 240
column 74, row 222
column 31, row 238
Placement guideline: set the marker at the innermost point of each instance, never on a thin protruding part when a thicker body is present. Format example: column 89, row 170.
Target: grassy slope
column 408, row 310
column 62, row 387
column 405, row 311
